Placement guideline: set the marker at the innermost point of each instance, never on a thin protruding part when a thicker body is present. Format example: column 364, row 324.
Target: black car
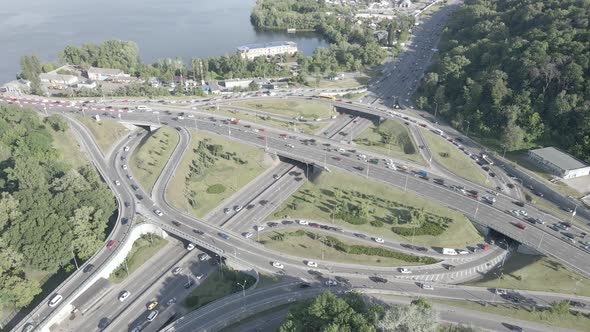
column 304, row 285
column 378, row 279
column 176, row 223
column 127, row 204
column 287, row 222
column 88, row 268
column 577, row 304
column 124, row 221
column 197, row 231
column 359, row 168
column 139, row 196
column 189, row 284
column 519, row 203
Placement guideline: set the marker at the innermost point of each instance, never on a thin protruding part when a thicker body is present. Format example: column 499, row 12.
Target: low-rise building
column 270, row 49
column 101, row 74
column 87, row 85
column 240, row 83
column 58, row 79
column 559, row 163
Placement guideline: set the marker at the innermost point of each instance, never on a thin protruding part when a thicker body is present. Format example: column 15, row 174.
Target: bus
column 322, row 96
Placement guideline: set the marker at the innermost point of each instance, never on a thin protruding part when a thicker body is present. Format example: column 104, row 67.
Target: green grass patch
column 213, row 161
column 353, row 95
column 290, row 107
column 69, row 149
column 142, row 250
column 265, row 280
column 218, row 284
column 216, row 189
column 380, row 206
column 570, row 320
column 539, row 273
column 106, row 132
column 390, row 138
column 341, row 82
column 454, row 159
column 320, row 247
column 151, row 156
column 306, row 127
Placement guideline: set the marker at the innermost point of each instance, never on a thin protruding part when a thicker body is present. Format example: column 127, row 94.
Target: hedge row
column 376, row 251
column 427, row 228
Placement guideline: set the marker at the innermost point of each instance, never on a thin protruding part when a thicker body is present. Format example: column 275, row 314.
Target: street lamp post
column 468, row 124
column 243, row 287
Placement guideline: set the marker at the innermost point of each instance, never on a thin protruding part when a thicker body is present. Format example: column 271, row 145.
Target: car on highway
column 126, row 149
column 190, row 246
column 247, row 235
column 312, row 264
column 55, row 300
column 237, row 208
column 302, row 222
column 290, row 146
column 158, row 213
column 130, row 177
column 223, row 236
column 276, row 176
column 500, row 291
column 577, row 304
column 152, row 315
column 189, row 284
column 427, row 286
column 259, row 228
column 304, row 285
column 203, row 257
column 152, row 305
column 124, row 295
column 124, row 167
column 278, row 265
column 378, row 279
column 199, row 276
column 521, row 226
column 331, row 282
column 117, row 183
column 404, row 270
column 176, row 270
column 462, row 251
column 226, row 210
column 378, row 240
column 111, row 244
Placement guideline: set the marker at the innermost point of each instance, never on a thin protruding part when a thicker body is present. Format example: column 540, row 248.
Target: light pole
column 435, row 111
column 468, row 124
column 196, row 127
column 73, row 255
column 406, row 185
column 504, row 153
column 243, row 287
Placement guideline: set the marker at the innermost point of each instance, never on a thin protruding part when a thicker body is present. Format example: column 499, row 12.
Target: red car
column 111, row 244
column 262, row 129
column 521, row 225
column 261, row 137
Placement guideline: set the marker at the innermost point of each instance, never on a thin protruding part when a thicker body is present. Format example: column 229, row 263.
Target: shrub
column 377, row 223
column 427, row 228
column 216, row 189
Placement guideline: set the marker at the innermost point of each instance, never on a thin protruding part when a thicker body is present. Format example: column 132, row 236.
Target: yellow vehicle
column 322, row 96
column 152, row 305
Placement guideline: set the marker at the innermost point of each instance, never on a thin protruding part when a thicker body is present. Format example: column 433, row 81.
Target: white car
column 500, row 291
column 290, row 146
column 190, row 247
column 462, row 251
column 199, row 276
column 302, row 222
column 191, row 116
column 259, row 228
column 312, row 264
column 331, row 282
column 129, row 176
column 427, row 287
column 126, row 149
column 124, row 166
column 404, row 270
column 379, row 240
column 278, row 265
column 124, row 295
column 117, row 183
column 247, row 235
column 158, row 213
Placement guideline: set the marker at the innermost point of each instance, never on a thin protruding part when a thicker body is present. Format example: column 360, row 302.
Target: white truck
column 448, row 251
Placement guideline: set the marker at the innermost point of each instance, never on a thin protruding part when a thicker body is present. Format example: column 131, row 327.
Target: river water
column 161, row 28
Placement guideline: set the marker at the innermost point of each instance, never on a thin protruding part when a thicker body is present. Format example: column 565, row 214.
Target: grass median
column 290, row 107
column 213, row 169
column 142, row 250
column 220, row 283
column 152, row 154
column 532, row 272
column 390, row 138
column 318, row 246
column 106, row 132
column 372, row 207
column 546, row 316
column 454, row 159
column 306, row 127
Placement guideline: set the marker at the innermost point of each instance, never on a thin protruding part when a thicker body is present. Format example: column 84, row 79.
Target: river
column 170, row 28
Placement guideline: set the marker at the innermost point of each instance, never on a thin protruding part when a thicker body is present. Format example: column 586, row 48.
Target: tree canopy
column 48, row 210
column 516, row 71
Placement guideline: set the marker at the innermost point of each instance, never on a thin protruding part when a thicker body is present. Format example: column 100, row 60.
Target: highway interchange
column 292, row 168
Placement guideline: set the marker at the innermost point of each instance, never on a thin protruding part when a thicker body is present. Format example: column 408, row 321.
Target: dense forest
column 516, row 71
column 48, row 210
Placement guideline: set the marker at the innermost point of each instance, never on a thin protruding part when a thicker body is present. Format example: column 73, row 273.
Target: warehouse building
column 270, row 49
column 559, row 163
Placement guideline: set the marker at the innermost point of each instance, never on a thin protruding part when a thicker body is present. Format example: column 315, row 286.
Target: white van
column 142, row 107
column 55, row 300
column 447, row 251
column 153, row 314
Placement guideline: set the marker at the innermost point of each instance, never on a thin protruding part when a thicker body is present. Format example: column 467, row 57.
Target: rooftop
column 272, row 44
column 105, row 71
column 559, row 158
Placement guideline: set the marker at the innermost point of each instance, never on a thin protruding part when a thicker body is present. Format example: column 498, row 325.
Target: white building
column 230, row 84
column 271, row 49
column 58, row 79
column 559, row 163
column 101, row 74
